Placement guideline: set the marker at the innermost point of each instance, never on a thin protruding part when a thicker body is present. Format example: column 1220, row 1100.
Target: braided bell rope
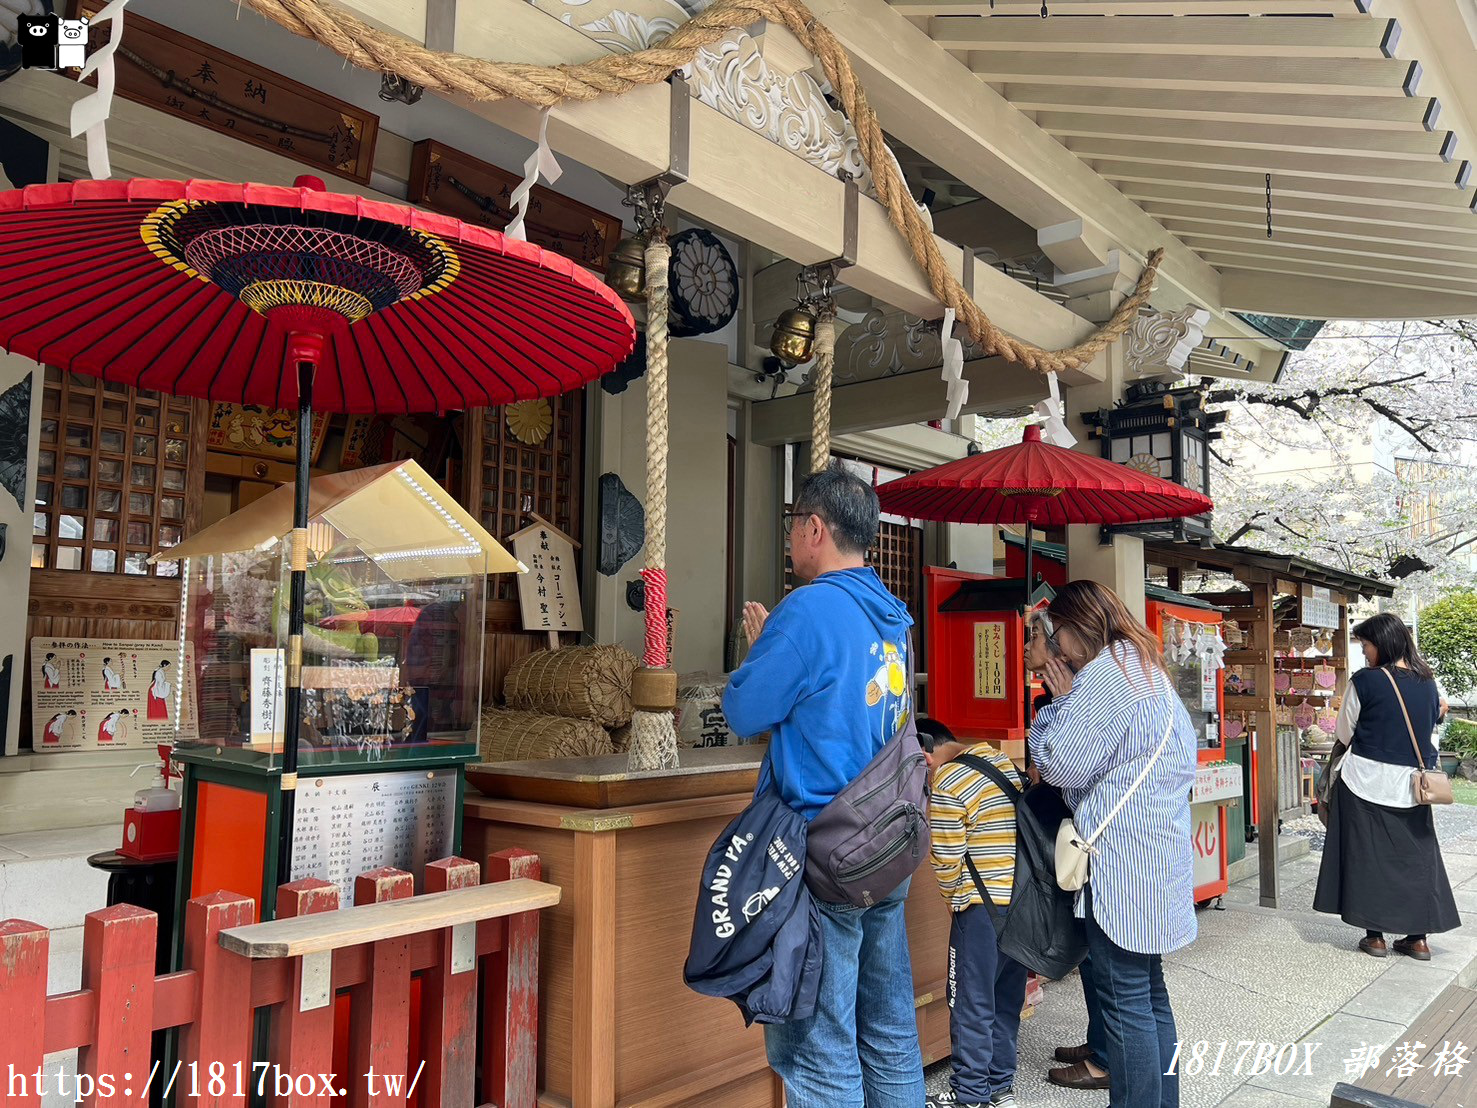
column 825, row 365
column 613, row 74
column 658, row 259
column 654, row 733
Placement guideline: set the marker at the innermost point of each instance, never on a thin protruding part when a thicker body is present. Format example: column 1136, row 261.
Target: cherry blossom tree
column 1363, row 455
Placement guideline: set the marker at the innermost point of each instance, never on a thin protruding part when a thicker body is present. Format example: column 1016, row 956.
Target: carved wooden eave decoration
column 786, row 105
column 1159, row 343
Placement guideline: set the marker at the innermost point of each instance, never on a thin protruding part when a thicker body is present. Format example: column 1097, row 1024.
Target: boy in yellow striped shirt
column 973, row 827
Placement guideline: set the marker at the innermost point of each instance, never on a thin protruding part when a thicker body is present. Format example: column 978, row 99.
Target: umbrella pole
column 1027, row 609
column 296, row 597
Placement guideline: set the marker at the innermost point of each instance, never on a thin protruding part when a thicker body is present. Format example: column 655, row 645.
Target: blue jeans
column 1138, row 1026
column 860, row 1048
column 987, row 990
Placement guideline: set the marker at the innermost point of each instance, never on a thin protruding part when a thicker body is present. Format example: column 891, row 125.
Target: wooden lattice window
column 112, row 476
column 509, row 478
column 898, row 559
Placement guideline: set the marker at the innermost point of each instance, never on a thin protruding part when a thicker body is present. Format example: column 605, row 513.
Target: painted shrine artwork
column 194, row 80
column 258, row 432
column 95, row 694
column 457, row 184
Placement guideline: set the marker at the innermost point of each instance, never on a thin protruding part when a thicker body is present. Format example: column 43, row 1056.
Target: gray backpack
column 873, row 834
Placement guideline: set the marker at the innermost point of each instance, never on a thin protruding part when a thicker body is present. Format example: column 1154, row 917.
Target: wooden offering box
column 617, row 1025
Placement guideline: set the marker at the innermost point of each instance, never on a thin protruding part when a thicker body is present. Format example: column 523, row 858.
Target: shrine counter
column 617, row 1026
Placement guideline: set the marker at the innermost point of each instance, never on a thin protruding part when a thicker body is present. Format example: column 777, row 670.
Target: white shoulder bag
column 1074, row 850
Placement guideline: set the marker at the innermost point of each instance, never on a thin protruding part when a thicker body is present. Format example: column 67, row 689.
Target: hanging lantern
column 626, row 272
column 1164, row 432
column 794, row 335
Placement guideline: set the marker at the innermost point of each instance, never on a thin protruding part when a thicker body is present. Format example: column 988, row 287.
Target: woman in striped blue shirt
column 1114, row 712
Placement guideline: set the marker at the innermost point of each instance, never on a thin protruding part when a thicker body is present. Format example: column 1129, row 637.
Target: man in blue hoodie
column 828, row 676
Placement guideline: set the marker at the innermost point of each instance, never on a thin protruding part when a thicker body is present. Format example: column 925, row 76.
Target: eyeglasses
column 790, row 519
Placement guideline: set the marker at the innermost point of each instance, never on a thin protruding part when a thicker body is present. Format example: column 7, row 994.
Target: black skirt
column 1382, row 869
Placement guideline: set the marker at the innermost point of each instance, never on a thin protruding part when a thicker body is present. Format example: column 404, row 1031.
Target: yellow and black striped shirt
column 969, row 812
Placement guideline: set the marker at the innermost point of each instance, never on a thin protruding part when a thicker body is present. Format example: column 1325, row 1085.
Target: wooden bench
column 1450, row 1020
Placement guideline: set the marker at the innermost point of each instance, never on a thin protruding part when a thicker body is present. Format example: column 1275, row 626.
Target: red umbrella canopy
column 1035, row 482
column 195, row 287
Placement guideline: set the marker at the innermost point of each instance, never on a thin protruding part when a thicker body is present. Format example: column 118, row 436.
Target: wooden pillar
column 449, row 1001
column 1341, row 650
column 594, row 970
column 302, row 1041
column 1264, row 594
column 222, row 1030
column 379, row 1010
column 26, row 948
column 118, row 969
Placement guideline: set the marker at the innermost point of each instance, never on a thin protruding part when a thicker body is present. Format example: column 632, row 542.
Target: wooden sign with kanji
column 548, row 593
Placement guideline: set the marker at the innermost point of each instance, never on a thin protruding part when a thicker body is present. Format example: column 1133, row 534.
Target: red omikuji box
column 150, row 836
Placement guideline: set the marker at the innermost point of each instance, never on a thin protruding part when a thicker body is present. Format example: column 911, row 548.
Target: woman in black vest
column 1382, row 867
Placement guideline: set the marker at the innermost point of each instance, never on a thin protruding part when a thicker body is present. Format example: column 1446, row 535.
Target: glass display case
column 391, row 669
column 393, row 611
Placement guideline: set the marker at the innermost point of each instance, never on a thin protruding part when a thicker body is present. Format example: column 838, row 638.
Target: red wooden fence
column 448, row 939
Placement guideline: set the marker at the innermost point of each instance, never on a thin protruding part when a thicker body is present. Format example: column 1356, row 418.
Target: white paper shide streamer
column 540, row 163
column 1053, row 416
column 90, row 114
column 953, row 349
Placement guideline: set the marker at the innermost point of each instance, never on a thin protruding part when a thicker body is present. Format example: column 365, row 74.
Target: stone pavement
column 1281, row 976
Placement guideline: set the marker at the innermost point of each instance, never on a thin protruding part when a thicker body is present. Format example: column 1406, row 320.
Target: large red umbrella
column 195, row 287
column 1038, row 484
column 288, row 297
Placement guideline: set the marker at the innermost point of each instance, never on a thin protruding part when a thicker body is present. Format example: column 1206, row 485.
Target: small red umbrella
column 287, row 297
column 1038, row 484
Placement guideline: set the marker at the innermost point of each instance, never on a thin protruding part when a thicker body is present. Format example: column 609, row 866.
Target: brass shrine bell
column 794, row 335
column 626, row 272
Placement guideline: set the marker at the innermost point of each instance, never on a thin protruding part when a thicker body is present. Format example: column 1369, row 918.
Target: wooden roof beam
column 1172, row 199
column 1300, row 76
column 930, row 103
column 996, row 385
column 1310, row 264
column 1262, row 106
column 1379, row 264
column 1213, row 35
column 1278, row 292
column 1411, row 143
column 1349, row 166
column 1287, row 184
column 1060, row 8
column 1371, row 244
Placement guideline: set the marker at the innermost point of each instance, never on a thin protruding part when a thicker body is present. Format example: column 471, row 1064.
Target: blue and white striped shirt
column 1092, row 744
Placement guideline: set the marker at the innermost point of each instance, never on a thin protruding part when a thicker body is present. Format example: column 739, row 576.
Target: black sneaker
column 1005, row 1098
column 949, row 1099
